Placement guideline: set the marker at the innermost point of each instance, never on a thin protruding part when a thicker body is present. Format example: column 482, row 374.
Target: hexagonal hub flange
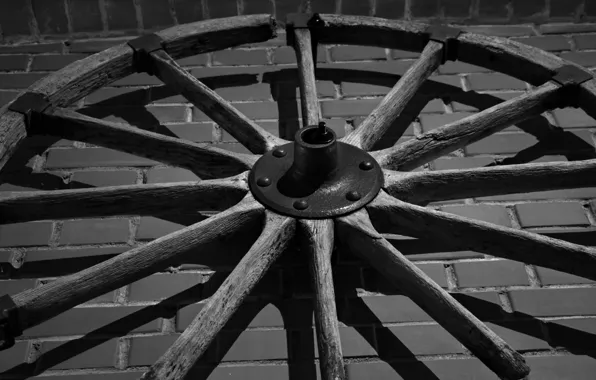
column 316, row 176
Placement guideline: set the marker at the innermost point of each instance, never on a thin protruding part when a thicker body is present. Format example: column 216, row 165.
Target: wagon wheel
column 316, row 187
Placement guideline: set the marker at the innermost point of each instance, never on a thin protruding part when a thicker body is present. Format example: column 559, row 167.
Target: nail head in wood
column 447, row 35
column 9, row 322
column 143, row 46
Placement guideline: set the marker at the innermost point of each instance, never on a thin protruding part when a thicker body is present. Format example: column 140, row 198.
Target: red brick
column 51, row 16
column 353, row 343
column 565, row 9
column 7, row 96
column 392, row 9
column 284, row 91
column 83, row 320
column 153, row 228
column 252, row 372
column 196, row 132
column 554, row 302
column 254, row 345
column 567, row 28
column 100, row 355
column 147, row 350
column 551, row 214
column 240, row 57
column 14, row 18
column 95, row 231
column 434, row 106
column 403, row 54
column 282, row 8
column 360, row 89
column 259, row 91
column 343, row 108
column 357, row 53
column 456, row 8
column 572, row 333
column 484, row 305
column 156, row 14
column 188, row 11
column 160, row 286
column 222, row 8
column 13, row 356
column 525, row 9
column 55, row 47
column 487, row 213
column 587, row 59
column 494, row 82
column 257, row 7
column 521, row 335
column 388, row 309
column 500, row 30
column 460, row 106
column 12, row 287
column 49, row 255
column 85, row 16
column 194, row 60
column 253, row 110
column 138, row 79
column 548, row 43
column 78, row 158
column 25, row 234
column 10, row 81
column 585, row 41
column 170, row 175
column 286, row 54
column 361, row 8
column 553, row 277
column 490, row 273
column 103, row 178
column 121, row 14
column 502, row 143
column 577, row 367
column 95, row 45
column 417, row 340
column 13, row 62
column 54, row 62
column 429, row 122
column 377, row 282
column 432, row 369
column 458, row 67
column 573, row 118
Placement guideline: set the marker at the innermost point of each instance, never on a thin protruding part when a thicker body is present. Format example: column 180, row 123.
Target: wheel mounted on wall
column 248, row 188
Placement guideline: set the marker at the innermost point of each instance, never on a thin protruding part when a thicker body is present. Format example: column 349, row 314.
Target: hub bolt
column 353, row 196
column 301, row 205
column 279, row 153
column 366, row 165
column 264, row 181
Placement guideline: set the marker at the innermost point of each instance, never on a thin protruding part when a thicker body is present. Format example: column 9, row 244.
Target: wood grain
column 181, row 197
column 431, row 186
column 306, row 74
column 440, row 141
column 12, row 133
column 197, row 337
column 246, row 131
column 382, row 117
column 318, row 241
column 483, row 237
column 42, row 303
column 358, row 233
column 204, row 160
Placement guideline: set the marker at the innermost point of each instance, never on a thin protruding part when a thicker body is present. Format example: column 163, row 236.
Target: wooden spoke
column 440, row 305
column 202, row 159
column 376, row 124
column 485, row 237
column 247, row 132
column 438, row 142
column 197, row 337
column 306, row 73
column 182, row 197
column 13, row 132
column 318, row 235
column 424, row 187
column 42, row 303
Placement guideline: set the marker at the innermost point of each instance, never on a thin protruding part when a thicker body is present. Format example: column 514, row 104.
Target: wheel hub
column 316, row 176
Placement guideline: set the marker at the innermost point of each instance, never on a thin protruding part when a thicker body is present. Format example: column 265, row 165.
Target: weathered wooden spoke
column 181, row 197
column 430, row 186
column 42, row 303
column 306, row 74
column 485, row 237
column 197, row 337
column 433, row 144
column 318, row 235
column 200, row 158
column 376, row 124
column 246, row 131
column 359, row 234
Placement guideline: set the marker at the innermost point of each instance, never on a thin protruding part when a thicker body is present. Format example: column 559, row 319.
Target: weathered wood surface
column 318, row 241
column 483, row 237
column 440, row 141
column 181, row 197
column 382, row 117
column 246, row 131
column 202, row 159
column 431, row 186
column 359, row 234
column 587, row 97
column 309, row 101
column 42, row 303
column 12, row 133
column 217, row 34
column 197, row 337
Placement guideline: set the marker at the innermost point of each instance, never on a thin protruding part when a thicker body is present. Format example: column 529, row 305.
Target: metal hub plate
column 352, row 186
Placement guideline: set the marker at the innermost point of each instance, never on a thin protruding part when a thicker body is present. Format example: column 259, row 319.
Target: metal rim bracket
column 29, row 104
column 310, row 21
column 9, row 322
column 142, row 47
column 447, row 35
column 570, row 77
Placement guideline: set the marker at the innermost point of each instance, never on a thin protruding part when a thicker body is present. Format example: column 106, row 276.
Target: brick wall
column 548, row 316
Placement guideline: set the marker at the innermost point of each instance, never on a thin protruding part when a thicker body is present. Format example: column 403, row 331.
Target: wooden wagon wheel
column 41, row 110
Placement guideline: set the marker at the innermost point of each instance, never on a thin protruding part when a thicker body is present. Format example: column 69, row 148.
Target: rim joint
column 143, row 46
column 569, row 77
column 447, row 35
column 31, row 105
column 310, row 21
